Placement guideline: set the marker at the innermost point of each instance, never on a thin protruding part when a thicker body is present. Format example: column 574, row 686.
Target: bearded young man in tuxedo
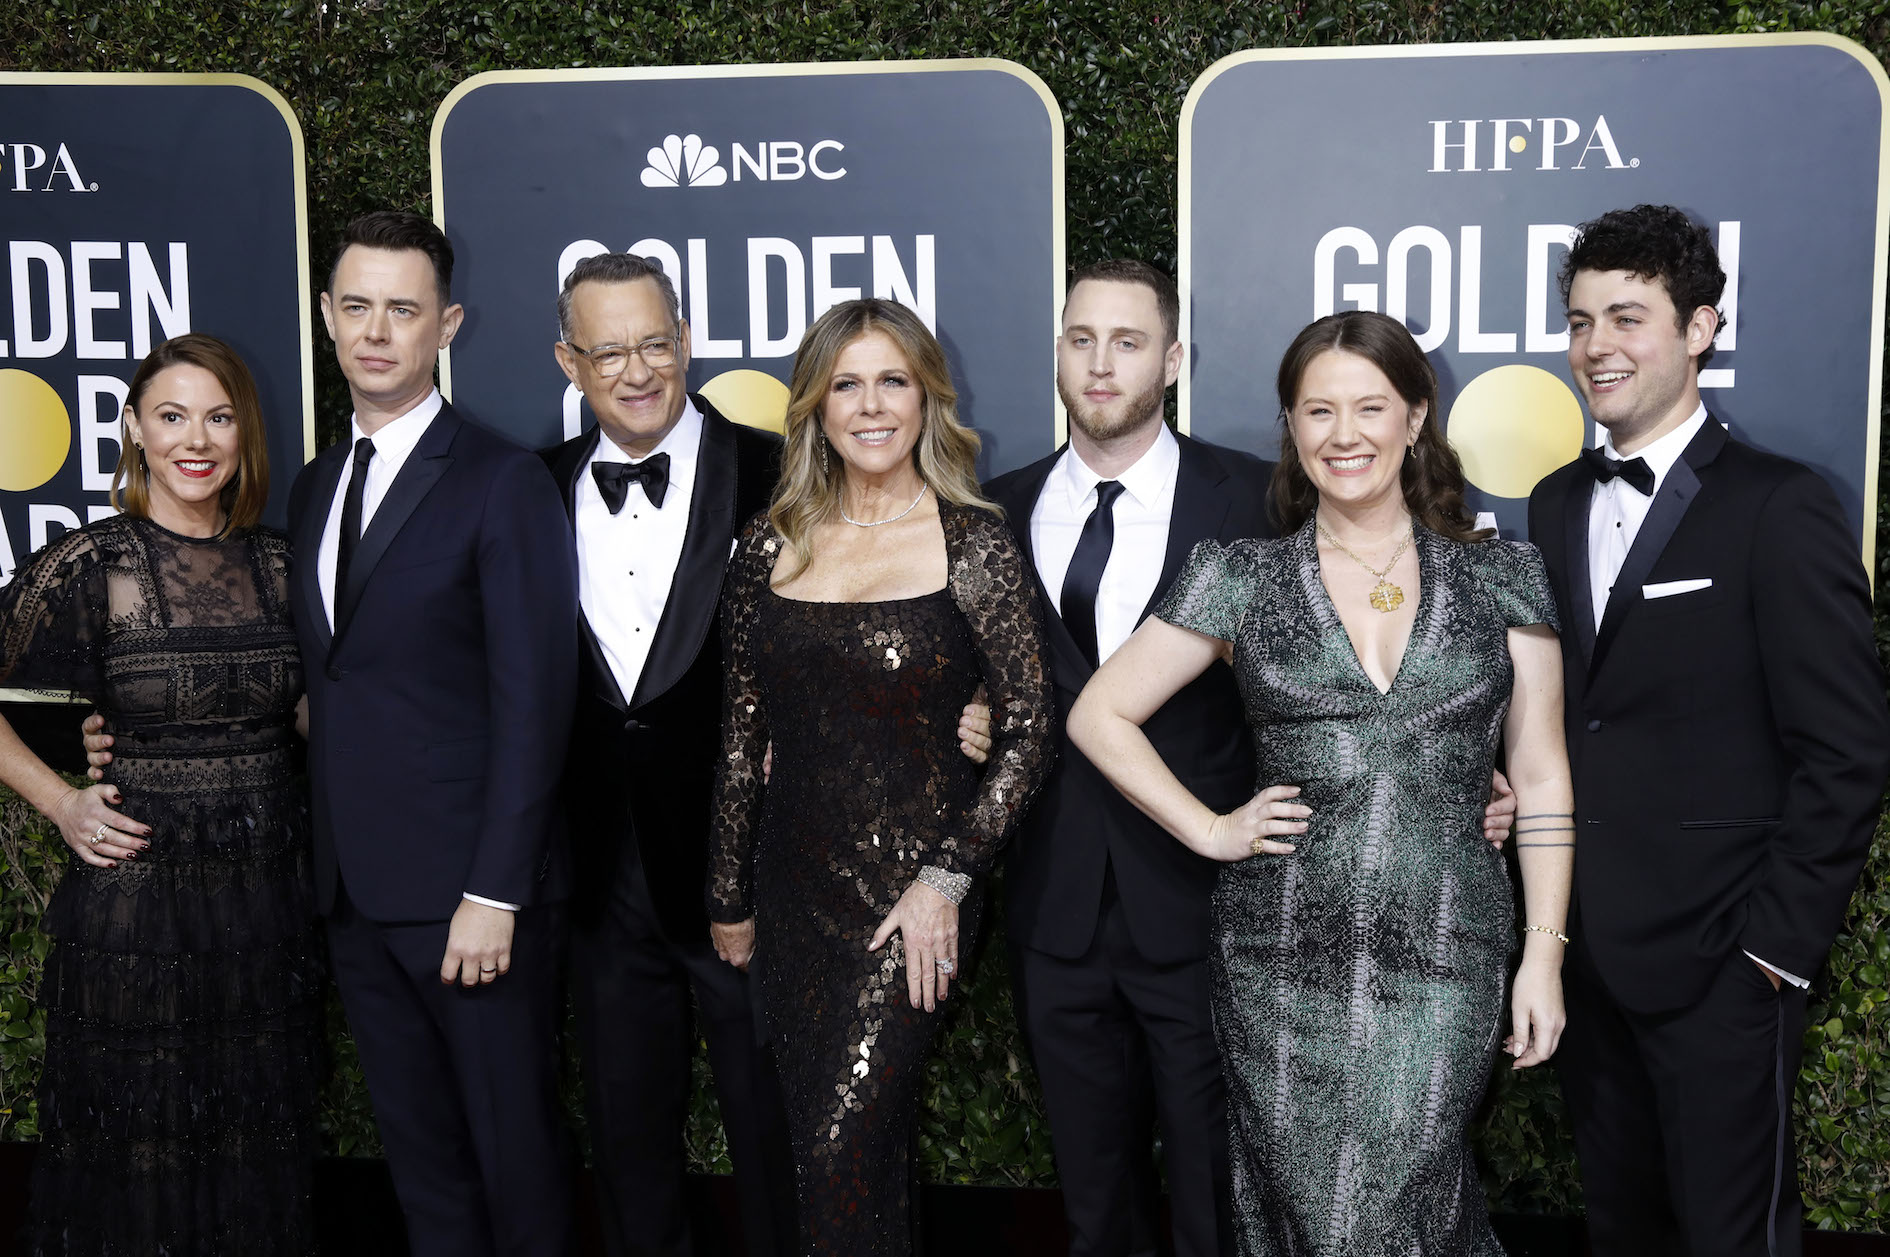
column 1729, row 740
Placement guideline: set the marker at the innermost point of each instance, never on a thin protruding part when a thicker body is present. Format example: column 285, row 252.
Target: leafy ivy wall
column 365, row 76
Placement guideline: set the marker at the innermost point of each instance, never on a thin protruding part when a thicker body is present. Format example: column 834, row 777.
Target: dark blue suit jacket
column 440, row 705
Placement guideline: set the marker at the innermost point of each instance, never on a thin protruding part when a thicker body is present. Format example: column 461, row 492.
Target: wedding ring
column 488, row 968
column 947, row 967
column 99, row 836
column 1257, row 848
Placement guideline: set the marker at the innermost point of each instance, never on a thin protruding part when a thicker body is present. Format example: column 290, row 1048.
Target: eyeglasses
column 610, row 360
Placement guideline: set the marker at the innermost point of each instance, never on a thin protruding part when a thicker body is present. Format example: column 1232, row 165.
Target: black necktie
column 351, row 519
column 1633, row 470
column 1078, row 599
column 613, row 480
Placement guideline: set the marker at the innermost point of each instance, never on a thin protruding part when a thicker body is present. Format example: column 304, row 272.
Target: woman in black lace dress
column 176, row 1108
column 860, row 615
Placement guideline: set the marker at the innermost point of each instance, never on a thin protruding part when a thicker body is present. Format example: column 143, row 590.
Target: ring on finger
column 947, row 966
column 98, row 836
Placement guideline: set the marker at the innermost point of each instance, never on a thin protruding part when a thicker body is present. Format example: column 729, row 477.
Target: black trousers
column 1115, row 1038
column 463, row 1083
column 632, row 991
column 1683, row 1119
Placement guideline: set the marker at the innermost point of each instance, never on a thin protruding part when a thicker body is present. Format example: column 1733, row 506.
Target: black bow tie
column 613, row 480
column 1633, row 470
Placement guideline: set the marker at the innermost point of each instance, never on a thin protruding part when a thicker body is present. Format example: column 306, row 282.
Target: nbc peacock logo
column 684, row 161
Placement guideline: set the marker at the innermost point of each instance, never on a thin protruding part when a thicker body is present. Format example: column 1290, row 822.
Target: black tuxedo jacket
column 440, row 702
column 1729, row 745
column 1079, row 823
column 642, row 766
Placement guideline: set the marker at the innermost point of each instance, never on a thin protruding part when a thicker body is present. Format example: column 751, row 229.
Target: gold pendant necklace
column 1385, row 596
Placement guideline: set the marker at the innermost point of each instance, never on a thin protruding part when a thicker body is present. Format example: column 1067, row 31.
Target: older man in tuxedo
column 1729, row 741
column 655, row 493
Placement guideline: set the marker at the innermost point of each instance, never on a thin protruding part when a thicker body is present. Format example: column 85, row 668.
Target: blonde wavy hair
column 946, row 455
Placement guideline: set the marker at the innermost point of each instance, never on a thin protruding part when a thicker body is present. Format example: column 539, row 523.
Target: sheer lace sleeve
column 992, row 589
column 53, row 616
column 744, row 728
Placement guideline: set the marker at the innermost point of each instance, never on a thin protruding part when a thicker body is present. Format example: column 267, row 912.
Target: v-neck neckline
column 1419, row 542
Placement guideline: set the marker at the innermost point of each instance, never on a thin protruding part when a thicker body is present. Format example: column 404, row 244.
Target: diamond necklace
column 875, row 523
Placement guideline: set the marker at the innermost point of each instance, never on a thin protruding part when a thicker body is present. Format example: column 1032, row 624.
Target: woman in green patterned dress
column 1363, row 928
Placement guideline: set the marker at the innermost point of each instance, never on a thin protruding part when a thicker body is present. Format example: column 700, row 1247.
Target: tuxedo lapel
column 422, row 470
column 1677, row 490
column 1578, row 496
column 568, row 470
column 308, row 540
column 1069, row 664
column 1201, row 506
column 696, row 590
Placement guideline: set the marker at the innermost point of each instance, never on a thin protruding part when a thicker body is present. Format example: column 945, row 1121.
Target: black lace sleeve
column 993, row 590
column 53, row 616
column 738, row 783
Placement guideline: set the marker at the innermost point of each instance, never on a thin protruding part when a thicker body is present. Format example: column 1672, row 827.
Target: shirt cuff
column 1803, row 984
column 490, row 903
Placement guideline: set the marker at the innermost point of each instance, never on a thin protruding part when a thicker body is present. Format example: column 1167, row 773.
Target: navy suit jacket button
column 1594, row 726
column 631, row 726
column 334, row 673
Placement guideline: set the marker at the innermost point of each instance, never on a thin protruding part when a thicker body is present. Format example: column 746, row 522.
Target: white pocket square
column 1667, row 589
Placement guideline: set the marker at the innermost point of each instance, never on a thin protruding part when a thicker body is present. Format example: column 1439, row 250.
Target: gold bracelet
column 1543, row 929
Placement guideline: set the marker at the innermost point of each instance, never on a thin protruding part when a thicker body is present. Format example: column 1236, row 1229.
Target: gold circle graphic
column 1512, row 426
column 749, row 397
column 35, row 431
column 1517, row 144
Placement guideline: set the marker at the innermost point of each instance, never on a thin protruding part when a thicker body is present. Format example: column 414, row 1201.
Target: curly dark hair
column 1432, row 475
column 1653, row 242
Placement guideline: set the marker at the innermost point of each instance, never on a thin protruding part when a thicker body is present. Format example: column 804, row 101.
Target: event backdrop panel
column 1440, row 185
column 769, row 194
column 136, row 207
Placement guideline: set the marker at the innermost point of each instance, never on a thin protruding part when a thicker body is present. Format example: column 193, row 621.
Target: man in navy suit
column 434, row 597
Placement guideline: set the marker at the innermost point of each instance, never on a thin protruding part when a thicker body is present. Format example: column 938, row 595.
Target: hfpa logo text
column 34, row 170
column 685, row 161
column 1456, row 147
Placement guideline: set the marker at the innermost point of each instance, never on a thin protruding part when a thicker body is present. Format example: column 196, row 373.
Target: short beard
column 1141, row 408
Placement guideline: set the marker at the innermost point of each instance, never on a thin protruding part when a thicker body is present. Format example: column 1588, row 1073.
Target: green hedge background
column 365, row 76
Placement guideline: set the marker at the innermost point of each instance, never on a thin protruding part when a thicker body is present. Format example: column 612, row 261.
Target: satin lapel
column 1069, row 665
column 569, row 473
column 696, row 591
column 308, row 542
column 418, row 475
column 1677, row 490
column 1201, row 505
column 1578, row 494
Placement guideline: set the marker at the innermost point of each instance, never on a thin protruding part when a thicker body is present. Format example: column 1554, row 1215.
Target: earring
column 823, row 454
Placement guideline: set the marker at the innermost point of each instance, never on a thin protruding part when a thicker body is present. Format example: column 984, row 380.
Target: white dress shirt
column 627, row 561
column 1141, row 514
column 1615, row 515
column 393, row 443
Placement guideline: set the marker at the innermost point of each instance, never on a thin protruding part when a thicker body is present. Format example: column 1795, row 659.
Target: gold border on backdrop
column 1873, row 436
column 299, row 160
column 796, row 69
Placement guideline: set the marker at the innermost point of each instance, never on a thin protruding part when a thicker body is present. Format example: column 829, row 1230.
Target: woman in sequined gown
column 1362, row 927
column 182, row 990
column 860, row 615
